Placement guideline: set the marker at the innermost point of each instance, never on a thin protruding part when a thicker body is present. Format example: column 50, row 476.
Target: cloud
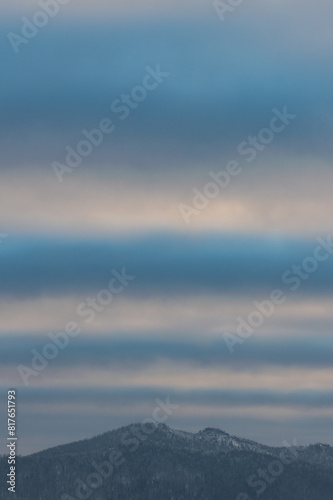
column 124, row 200
column 202, row 397
column 211, row 101
column 162, row 263
column 210, row 313
column 133, row 353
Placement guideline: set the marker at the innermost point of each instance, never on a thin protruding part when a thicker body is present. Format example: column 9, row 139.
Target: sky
column 165, row 235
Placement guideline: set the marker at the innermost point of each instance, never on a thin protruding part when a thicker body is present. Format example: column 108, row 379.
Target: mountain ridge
column 153, row 461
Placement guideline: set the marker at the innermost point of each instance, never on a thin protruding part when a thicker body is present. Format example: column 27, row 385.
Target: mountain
column 155, row 462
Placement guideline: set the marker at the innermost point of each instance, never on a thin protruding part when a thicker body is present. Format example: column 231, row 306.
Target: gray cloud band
column 129, row 352
column 122, row 108
column 222, row 179
column 293, row 279
column 61, row 340
column 33, row 267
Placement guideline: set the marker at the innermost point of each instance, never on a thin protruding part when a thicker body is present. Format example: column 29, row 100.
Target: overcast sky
column 136, row 205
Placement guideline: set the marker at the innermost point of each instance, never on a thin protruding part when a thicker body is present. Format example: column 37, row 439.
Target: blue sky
column 162, row 335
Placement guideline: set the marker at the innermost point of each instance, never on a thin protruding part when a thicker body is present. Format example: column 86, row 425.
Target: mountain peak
column 213, row 430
